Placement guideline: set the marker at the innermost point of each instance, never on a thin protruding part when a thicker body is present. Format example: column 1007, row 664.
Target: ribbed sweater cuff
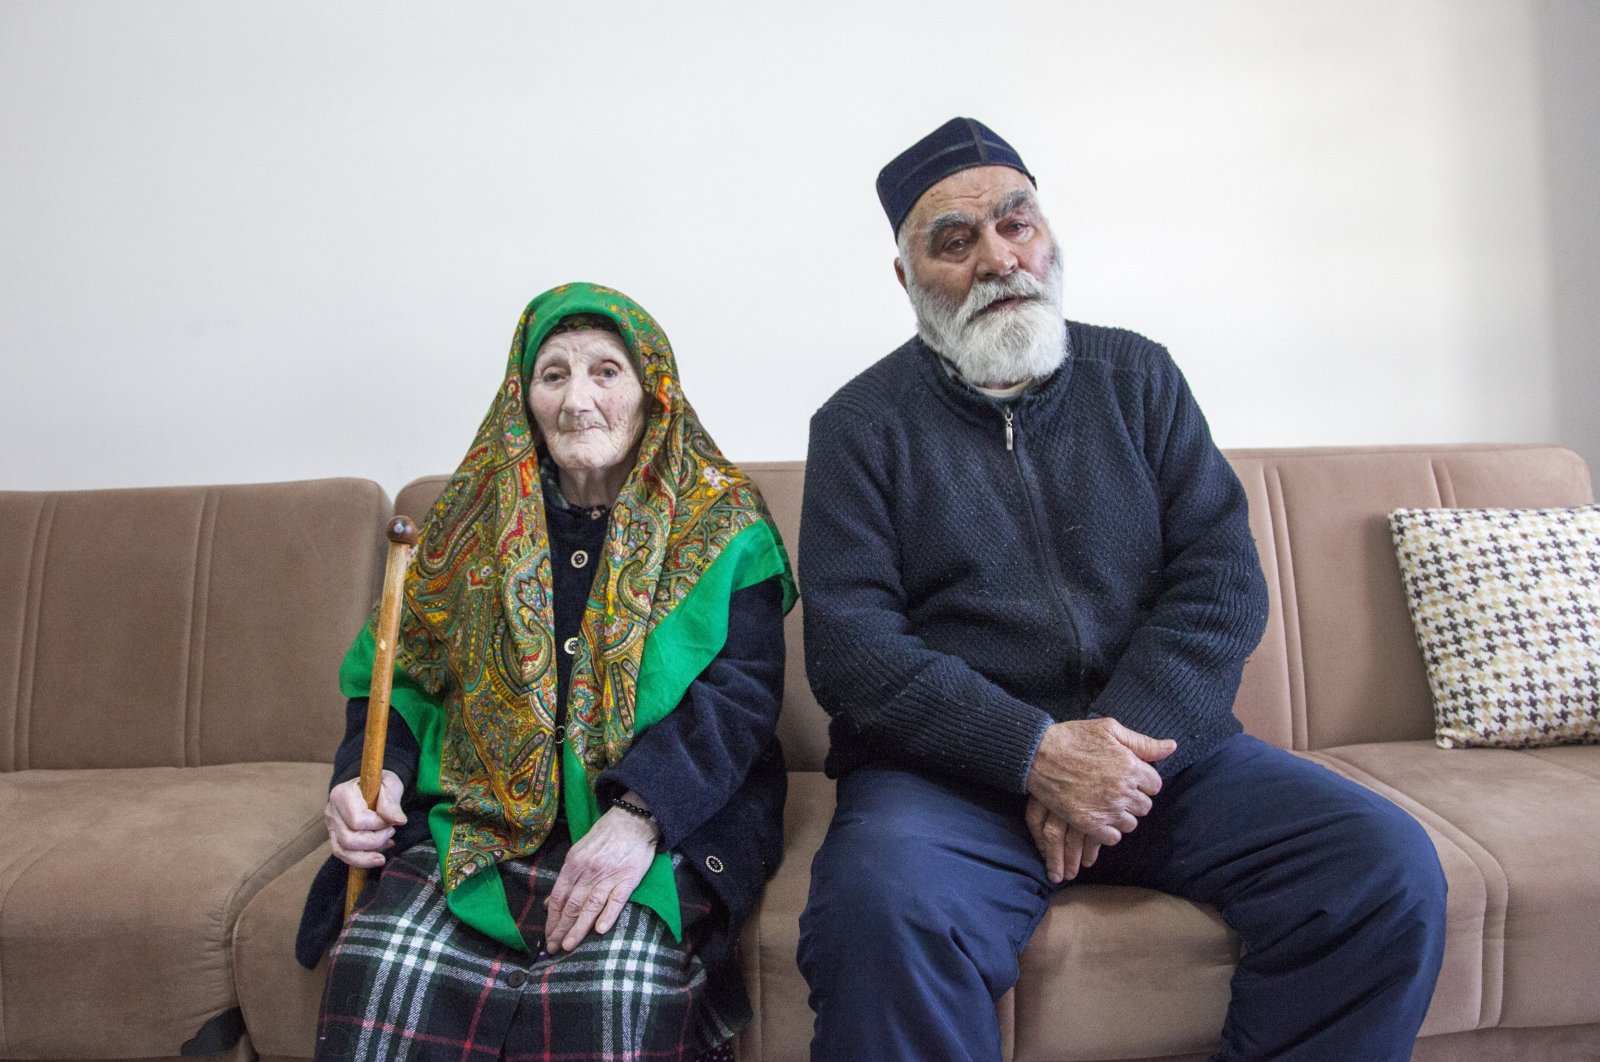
column 1183, row 712
column 993, row 743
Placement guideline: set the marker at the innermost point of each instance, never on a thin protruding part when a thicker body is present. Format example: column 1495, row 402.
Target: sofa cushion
column 1506, row 606
column 119, row 888
column 1528, row 820
column 1096, row 978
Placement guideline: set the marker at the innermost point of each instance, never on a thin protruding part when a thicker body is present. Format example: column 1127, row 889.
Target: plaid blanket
column 409, row 980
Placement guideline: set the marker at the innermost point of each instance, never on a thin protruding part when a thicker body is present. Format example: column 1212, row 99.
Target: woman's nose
column 578, row 395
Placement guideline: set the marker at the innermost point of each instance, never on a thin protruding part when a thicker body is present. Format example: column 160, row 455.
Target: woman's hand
column 358, row 833
column 601, row 872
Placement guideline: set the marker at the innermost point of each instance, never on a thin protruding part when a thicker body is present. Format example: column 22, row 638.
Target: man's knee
column 911, row 891
column 1407, row 877
column 872, row 886
column 1382, row 879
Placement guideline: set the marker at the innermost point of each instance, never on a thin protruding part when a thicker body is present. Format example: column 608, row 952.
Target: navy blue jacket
column 976, row 569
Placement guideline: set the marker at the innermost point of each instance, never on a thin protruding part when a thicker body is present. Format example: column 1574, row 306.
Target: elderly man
column 1030, row 587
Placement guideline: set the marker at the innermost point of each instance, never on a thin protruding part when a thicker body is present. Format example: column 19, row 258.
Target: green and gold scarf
column 475, row 677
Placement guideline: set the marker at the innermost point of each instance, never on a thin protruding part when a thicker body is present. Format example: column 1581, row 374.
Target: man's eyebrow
column 1021, row 199
column 942, row 224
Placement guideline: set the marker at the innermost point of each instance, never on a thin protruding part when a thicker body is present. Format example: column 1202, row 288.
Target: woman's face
column 585, row 398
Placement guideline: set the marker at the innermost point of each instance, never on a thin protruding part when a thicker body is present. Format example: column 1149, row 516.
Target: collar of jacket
column 973, row 405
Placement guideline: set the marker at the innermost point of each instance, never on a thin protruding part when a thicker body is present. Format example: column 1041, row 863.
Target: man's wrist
column 1048, row 736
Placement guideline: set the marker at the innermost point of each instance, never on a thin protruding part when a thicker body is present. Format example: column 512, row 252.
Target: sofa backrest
column 1338, row 664
column 181, row 626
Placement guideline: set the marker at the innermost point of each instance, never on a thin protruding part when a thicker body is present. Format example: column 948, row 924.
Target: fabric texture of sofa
column 165, row 721
column 173, row 708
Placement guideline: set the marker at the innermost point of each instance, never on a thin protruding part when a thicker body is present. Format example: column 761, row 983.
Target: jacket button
column 579, row 558
column 714, row 864
column 570, row 645
column 516, row 979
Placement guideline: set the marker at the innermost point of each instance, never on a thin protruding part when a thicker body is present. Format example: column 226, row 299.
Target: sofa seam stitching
column 1289, row 597
column 1585, row 775
column 199, row 600
column 1271, row 517
column 22, row 642
column 28, row 645
column 186, row 649
column 1443, row 485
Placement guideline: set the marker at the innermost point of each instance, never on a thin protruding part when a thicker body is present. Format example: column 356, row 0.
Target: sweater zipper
column 1051, row 573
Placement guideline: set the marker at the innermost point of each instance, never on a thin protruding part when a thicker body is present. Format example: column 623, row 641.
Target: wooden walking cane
column 402, row 537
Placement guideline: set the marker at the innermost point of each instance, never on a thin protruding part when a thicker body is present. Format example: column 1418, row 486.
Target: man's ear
column 900, row 272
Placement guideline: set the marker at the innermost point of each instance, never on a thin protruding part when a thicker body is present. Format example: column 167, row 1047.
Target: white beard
column 1005, row 346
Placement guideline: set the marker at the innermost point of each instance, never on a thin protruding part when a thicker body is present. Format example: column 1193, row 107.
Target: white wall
column 255, row 241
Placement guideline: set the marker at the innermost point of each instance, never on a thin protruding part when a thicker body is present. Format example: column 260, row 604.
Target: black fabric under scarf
column 573, row 530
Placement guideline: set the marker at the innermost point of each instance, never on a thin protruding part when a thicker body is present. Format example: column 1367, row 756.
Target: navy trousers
column 925, row 892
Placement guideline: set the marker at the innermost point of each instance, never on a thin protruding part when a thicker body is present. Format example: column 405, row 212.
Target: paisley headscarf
column 476, row 664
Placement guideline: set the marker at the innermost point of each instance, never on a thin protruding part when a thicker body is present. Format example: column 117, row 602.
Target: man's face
column 983, row 274
column 976, row 224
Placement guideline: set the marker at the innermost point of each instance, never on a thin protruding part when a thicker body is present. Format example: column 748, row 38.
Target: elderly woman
column 583, row 792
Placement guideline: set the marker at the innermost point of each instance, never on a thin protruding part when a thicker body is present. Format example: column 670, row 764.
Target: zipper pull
column 1010, row 434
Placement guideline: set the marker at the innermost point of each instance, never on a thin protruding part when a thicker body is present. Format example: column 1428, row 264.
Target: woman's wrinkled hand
column 601, row 871
column 359, row 834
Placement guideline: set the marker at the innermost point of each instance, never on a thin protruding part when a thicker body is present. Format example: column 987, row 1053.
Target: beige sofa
column 166, row 717
column 1111, row 973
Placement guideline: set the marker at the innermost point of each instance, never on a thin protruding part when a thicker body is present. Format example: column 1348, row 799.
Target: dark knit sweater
column 964, row 586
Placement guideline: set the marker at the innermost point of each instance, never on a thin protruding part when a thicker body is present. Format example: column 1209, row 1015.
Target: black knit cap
column 959, row 144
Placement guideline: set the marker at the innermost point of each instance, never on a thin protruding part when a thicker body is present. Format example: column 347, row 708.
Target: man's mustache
column 985, row 293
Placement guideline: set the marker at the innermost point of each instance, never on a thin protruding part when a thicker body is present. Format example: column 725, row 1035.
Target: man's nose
column 995, row 256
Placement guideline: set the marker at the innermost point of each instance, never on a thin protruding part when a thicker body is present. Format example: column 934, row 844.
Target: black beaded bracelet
column 644, row 813
column 632, row 808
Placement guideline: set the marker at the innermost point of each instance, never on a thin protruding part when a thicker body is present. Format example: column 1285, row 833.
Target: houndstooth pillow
column 1506, row 606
